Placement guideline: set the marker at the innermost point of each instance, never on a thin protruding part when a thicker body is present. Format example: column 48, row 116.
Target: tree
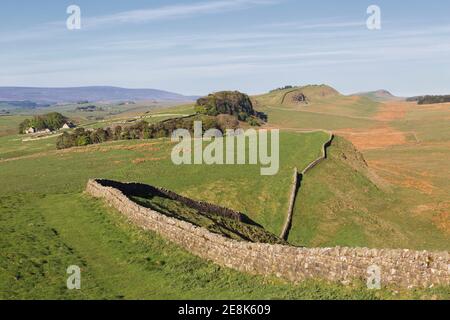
column 83, row 141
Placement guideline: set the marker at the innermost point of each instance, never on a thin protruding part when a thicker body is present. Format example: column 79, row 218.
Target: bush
column 254, row 122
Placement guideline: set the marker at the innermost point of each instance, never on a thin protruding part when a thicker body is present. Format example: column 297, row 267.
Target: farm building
column 68, row 125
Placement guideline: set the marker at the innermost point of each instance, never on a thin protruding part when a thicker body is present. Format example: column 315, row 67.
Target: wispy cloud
column 295, row 25
column 175, row 11
column 57, row 28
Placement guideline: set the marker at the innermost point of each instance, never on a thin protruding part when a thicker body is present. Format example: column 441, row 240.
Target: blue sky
column 199, row 46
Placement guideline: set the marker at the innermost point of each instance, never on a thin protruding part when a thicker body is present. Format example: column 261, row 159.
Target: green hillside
column 48, row 224
column 288, row 97
column 379, row 96
column 325, row 109
column 341, row 202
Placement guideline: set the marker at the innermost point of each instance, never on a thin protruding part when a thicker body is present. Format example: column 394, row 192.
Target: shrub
column 254, row 122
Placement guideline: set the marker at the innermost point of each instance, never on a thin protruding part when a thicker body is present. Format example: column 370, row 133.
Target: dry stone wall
column 296, row 186
column 403, row 268
column 322, row 157
column 292, row 197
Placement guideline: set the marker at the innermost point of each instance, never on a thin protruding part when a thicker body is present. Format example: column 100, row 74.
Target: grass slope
column 327, row 110
column 339, row 204
column 119, row 261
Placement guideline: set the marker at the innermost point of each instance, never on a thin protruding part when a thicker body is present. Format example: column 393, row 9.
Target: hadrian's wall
column 322, row 157
column 403, row 268
column 292, row 198
column 298, row 178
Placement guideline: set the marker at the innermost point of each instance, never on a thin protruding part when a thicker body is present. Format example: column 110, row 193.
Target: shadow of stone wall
column 138, row 189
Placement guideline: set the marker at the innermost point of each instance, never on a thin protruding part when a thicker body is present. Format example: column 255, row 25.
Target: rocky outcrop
column 229, row 102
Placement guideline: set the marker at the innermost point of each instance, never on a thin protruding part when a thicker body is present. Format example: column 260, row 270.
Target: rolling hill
column 297, row 95
column 379, row 95
column 91, row 94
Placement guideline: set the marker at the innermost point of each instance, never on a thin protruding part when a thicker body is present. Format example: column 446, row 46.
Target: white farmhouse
column 30, row 130
column 67, row 125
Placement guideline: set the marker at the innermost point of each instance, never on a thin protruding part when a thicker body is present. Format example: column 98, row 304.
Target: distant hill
column 292, row 95
column 24, row 104
column 315, row 92
column 91, row 94
column 379, row 95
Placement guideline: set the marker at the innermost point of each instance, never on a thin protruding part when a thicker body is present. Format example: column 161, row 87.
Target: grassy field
column 48, row 224
column 119, row 261
column 9, row 124
column 263, row 198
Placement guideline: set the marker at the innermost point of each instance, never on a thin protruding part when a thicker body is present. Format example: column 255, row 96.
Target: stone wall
column 298, row 178
column 322, row 157
column 292, row 197
column 403, row 268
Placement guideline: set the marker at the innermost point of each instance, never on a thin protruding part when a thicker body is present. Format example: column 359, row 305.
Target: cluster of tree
column 52, row 121
column 283, row 88
column 89, row 108
column 430, row 99
column 232, row 103
column 82, row 137
column 141, row 130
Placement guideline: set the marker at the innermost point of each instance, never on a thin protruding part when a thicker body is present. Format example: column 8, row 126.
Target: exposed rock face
column 300, row 98
column 227, row 102
column 401, row 268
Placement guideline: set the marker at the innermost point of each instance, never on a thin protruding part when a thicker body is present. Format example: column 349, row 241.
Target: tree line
column 430, row 99
column 141, row 130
